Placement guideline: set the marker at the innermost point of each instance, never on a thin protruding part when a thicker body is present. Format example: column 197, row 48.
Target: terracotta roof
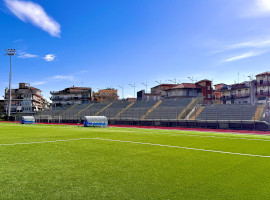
column 264, row 73
column 204, row 80
column 165, row 84
column 184, row 85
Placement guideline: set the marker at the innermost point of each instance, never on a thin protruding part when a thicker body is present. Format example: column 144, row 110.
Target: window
column 261, row 91
column 261, row 82
column 208, row 96
column 208, row 87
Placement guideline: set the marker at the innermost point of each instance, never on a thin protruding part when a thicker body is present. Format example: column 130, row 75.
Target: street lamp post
column 145, row 84
column 122, row 87
column 173, row 81
column 193, row 86
column 133, row 87
column 159, row 82
column 10, row 53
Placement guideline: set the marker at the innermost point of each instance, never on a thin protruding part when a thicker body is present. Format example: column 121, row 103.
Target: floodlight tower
column 10, row 53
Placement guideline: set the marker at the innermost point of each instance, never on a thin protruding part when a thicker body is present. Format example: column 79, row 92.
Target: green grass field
column 69, row 162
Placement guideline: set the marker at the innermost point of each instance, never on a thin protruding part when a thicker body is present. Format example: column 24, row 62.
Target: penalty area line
column 142, row 143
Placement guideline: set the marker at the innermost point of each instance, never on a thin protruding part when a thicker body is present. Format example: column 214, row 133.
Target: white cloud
column 263, row 5
column 255, row 43
column 39, row 83
column 49, row 57
column 19, row 40
column 243, row 56
column 255, row 8
column 26, row 55
column 63, row 77
column 28, row 11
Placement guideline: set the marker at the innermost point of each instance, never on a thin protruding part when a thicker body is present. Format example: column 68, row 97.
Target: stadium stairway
column 93, row 110
column 196, row 113
column 258, row 113
column 68, row 109
column 82, row 110
column 169, row 108
column 137, row 110
column 123, row 110
column 189, row 108
column 104, row 108
column 151, row 109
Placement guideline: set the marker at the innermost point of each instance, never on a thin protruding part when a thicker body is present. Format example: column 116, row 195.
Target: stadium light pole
column 122, row 87
column 10, row 53
column 158, row 82
column 173, row 81
column 145, row 84
column 193, row 86
column 134, row 86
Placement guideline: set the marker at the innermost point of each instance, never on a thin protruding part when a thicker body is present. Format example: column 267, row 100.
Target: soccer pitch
column 70, row 162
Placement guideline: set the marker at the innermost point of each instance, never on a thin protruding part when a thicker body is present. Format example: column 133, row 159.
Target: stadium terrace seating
column 227, row 112
column 169, row 108
column 114, row 109
column 71, row 112
column 55, row 111
column 137, row 110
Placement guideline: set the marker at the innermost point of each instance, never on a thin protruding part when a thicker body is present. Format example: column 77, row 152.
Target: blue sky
column 105, row 43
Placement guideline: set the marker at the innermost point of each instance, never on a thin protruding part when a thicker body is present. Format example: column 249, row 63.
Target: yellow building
column 109, row 94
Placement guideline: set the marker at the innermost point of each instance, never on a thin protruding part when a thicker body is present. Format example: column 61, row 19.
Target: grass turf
column 98, row 169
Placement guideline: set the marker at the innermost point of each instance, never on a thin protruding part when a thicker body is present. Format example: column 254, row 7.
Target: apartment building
column 238, row 93
column 109, row 94
column 25, row 99
column 262, row 87
column 70, row 96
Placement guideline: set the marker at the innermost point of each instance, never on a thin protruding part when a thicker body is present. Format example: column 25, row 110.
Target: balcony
column 235, row 96
column 70, row 99
column 263, row 94
column 264, row 83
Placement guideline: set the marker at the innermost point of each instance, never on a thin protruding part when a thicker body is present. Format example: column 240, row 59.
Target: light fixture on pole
column 158, row 82
column 193, row 85
column 122, row 87
column 173, row 81
column 145, row 84
column 10, row 53
column 134, row 88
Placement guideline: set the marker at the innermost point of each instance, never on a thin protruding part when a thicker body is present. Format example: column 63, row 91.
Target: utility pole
column 10, row 53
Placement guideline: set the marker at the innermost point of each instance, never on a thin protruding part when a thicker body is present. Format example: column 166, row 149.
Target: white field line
column 168, row 133
column 212, row 136
column 143, row 143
